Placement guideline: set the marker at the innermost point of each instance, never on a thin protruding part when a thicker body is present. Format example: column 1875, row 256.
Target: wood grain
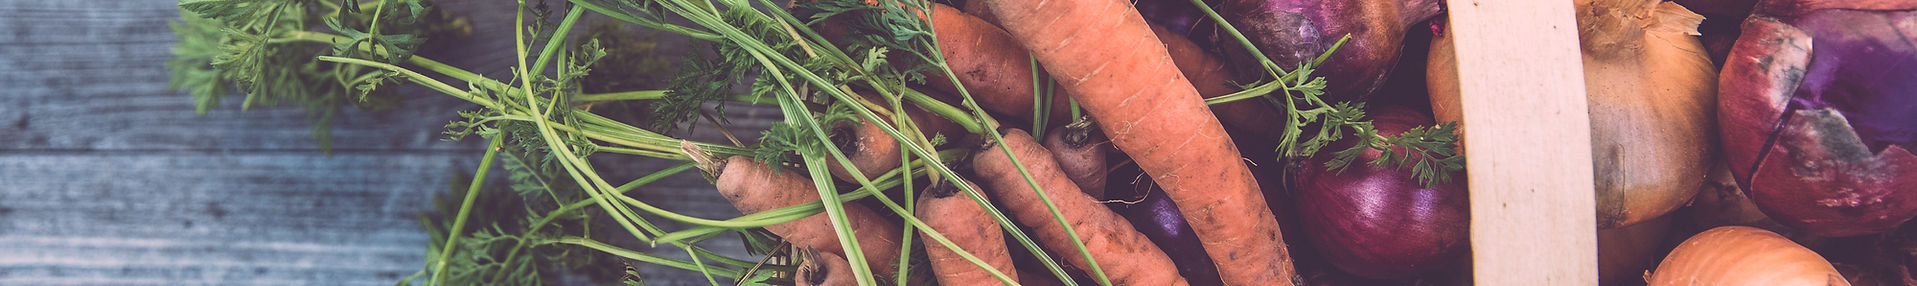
column 190, row 217
column 107, row 178
column 1522, row 82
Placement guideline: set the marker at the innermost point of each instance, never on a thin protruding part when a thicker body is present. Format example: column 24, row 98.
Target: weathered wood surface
column 1531, row 204
column 107, row 178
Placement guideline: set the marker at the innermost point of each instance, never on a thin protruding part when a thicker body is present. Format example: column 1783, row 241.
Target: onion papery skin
column 1651, row 91
column 1741, row 255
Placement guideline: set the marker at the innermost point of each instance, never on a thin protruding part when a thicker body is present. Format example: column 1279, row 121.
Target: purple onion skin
column 1380, row 222
column 1160, row 220
column 1867, row 75
column 1818, row 111
column 1291, row 32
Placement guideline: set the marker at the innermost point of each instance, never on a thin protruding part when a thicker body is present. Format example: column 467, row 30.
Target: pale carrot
column 945, row 209
column 1126, row 256
column 1105, row 54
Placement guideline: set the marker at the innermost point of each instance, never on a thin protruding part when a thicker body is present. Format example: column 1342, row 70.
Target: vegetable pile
column 1818, row 116
column 1109, row 142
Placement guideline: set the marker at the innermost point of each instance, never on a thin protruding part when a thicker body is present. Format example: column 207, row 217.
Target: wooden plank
column 110, row 179
column 249, row 218
column 1532, row 209
column 213, row 218
column 91, row 75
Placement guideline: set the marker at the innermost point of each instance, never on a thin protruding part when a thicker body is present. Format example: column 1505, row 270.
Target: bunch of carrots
column 983, row 138
column 1138, row 94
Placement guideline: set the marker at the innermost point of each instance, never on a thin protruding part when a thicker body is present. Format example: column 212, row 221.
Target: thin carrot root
column 946, row 209
column 1125, row 78
column 1126, row 256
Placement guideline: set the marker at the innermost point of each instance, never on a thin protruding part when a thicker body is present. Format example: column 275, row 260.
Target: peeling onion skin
column 1651, row 90
column 1379, row 221
column 1741, row 255
column 1818, row 116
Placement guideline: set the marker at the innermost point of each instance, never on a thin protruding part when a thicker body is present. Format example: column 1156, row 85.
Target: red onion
column 1291, row 32
column 1818, row 113
column 1155, row 215
column 1379, row 221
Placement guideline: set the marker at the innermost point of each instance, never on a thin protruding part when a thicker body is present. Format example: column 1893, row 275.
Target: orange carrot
column 753, row 187
column 867, row 146
column 823, row 269
column 1206, row 71
column 1106, row 55
column 993, row 68
column 967, row 225
column 1126, row 256
column 1209, row 75
column 873, row 151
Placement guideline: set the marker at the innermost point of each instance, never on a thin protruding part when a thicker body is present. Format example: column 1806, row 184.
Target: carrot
column 867, row 146
column 1206, row 71
column 997, row 72
column 753, row 187
column 1209, row 75
column 967, row 225
column 991, row 65
column 873, row 151
column 1080, row 151
column 1126, row 256
column 823, row 268
column 1103, row 52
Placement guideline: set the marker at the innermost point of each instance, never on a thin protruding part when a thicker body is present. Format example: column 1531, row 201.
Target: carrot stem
column 640, row 256
column 466, row 207
column 558, row 38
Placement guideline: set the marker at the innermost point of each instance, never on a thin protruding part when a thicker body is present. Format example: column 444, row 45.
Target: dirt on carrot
column 1126, row 256
column 1154, row 114
column 946, row 209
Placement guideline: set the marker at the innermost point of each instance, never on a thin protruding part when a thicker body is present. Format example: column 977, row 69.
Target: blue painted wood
column 107, row 178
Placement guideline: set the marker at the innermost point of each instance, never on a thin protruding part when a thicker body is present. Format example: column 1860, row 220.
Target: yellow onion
column 1742, row 255
column 1652, row 92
